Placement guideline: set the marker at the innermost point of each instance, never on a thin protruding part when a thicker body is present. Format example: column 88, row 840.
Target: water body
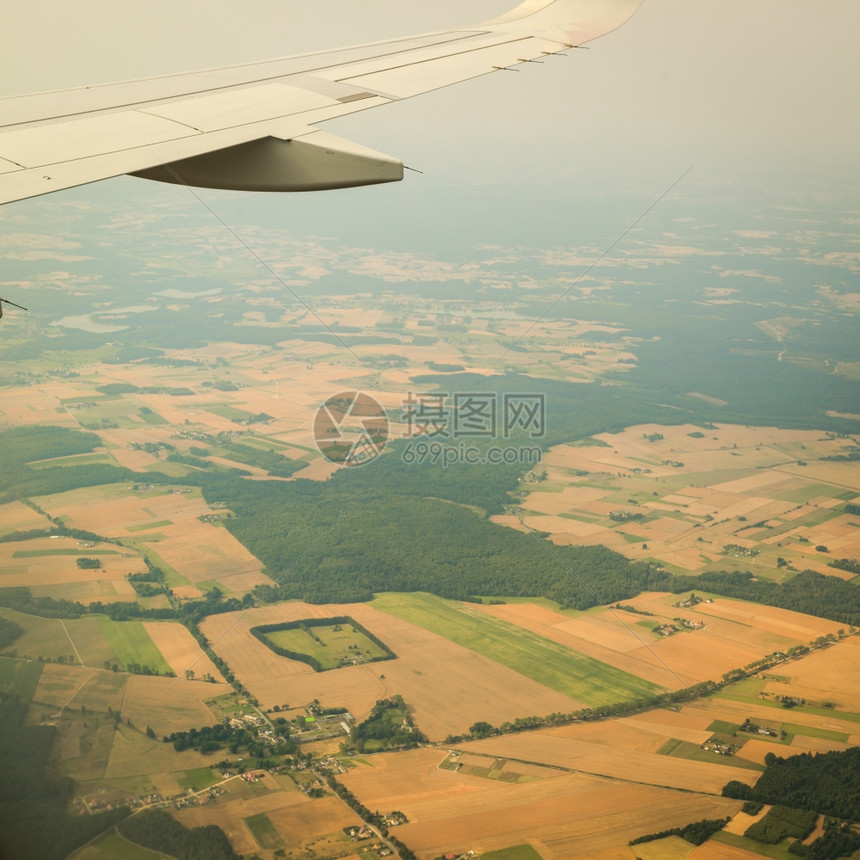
column 89, row 323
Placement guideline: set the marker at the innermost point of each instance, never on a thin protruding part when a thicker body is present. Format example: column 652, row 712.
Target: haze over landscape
column 627, row 613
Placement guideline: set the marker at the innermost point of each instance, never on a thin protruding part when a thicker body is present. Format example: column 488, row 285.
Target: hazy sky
column 739, row 86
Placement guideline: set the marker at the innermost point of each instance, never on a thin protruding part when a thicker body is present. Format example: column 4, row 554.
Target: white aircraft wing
column 254, row 127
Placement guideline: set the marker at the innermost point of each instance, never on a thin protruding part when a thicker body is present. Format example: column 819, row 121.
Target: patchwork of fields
column 695, row 498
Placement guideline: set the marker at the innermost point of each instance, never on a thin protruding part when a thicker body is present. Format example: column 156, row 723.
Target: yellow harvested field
column 687, row 498
column 671, row 848
column 199, row 552
column 828, row 674
column 51, row 562
column 73, row 686
column 565, row 746
column 298, row 823
column 448, row 686
column 31, row 405
column 608, row 646
column 735, row 634
column 739, row 824
column 295, row 816
column 17, row 517
column 450, row 811
column 169, row 704
column 180, row 649
column 755, row 750
column 717, row 851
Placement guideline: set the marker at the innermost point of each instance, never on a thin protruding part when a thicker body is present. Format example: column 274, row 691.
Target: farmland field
column 559, row 668
column 331, row 645
column 19, row 677
column 132, row 644
column 691, row 498
column 684, row 498
column 112, row 846
column 448, row 686
column 455, row 812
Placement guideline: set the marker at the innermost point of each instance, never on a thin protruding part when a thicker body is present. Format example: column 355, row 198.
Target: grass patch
column 777, row 852
column 145, row 526
column 42, row 637
column 264, row 831
column 222, row 410
column 519, row 852
column 331, row 646
column 19, row 677
column 723, row 727
column 198, row 779
column 112, row 846
column 693, row 752
column 533, row 656
column 132, row 644
column 813, row 732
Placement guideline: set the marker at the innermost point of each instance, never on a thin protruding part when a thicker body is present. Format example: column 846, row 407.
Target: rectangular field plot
column 329, row 646
column 19, row 677
column 264, row 831
column 133, row 645
column 547, row 662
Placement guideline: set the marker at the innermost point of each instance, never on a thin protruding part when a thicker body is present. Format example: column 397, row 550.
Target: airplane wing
column 254, row 127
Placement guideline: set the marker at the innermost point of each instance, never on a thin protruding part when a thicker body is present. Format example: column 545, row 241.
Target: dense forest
column 158, row 830
column 827, row 783
column 33, row 803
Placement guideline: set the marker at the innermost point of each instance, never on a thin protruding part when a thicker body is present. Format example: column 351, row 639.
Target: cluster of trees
column 160, row 831
column 827, row 783
column 483, row 729
column 696, row 833
column 388, row 727
column 849, row 564
column 222, row 735
column 34, row 821
column 838, row 840
column 782, row 821
column 9, row 632
column 309, row 623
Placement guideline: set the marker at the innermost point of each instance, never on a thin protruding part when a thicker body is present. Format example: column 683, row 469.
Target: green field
column 42, row 637
column 132, row 644
column 813, row 732
column 19, row 677
column 540, row 659
column 145, row 526
column 747, row 691
column 331, row 646
column 112, row 846
column 777, row 852
column 693, row 752
column 198, row 779
column 264, row 831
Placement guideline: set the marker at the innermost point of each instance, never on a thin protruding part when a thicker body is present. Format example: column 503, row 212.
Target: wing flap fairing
column 51, row 141
column 314, row 162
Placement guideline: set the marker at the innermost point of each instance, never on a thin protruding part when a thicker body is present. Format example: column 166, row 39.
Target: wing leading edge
column 254, row 127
